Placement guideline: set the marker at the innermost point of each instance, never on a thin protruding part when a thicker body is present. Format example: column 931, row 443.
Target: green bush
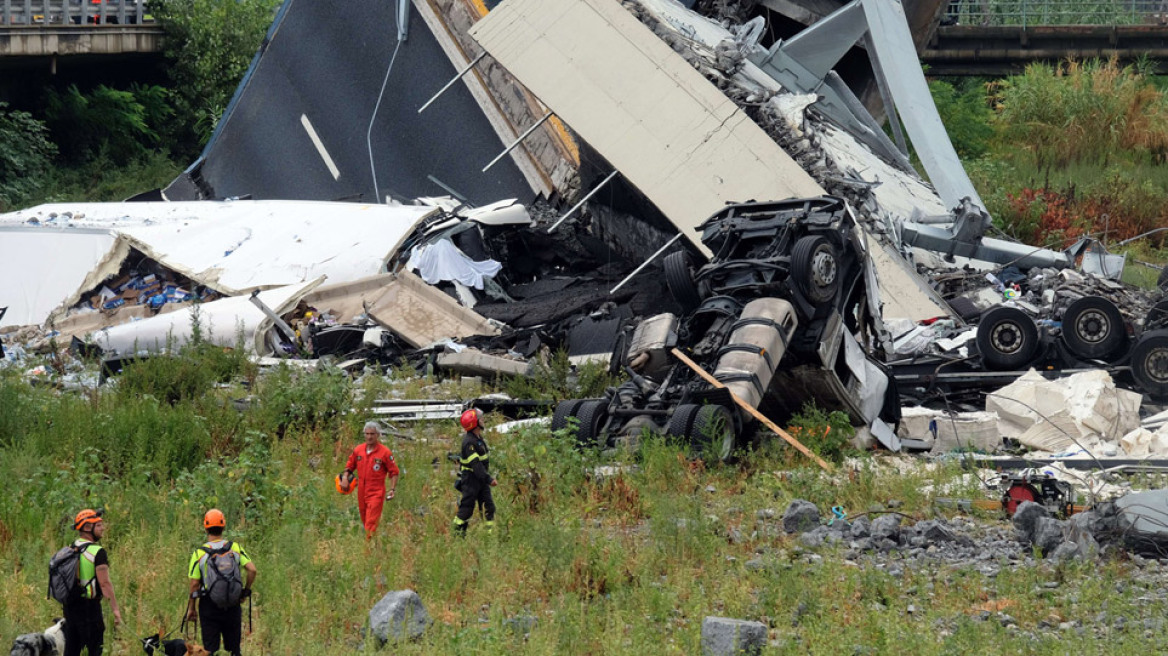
column 25, row 157
column 185, row 376
column 298, row 400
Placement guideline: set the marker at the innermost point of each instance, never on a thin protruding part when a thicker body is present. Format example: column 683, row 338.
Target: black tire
column 564, row 410
column 1007, row 338
column 682, row 421
column 815, row 269
column 714, row 425
column 679, row 279
column 1093, row 328
column 1149, row 363
column 592, row 415
column 1162, row 281
column 1157, row 316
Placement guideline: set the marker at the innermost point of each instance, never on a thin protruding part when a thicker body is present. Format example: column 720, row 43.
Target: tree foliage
column 966, row 115
column 25, row 155
column 209, row 45
column 103, row 123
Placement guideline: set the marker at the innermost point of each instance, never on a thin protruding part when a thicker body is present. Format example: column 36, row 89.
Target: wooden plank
column 753, row 411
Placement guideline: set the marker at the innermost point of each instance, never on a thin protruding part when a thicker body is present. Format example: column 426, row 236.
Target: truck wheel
column 679, row 279
column 1007, row 338
column 815, row 268
column 1093, row 327
column 713, row 425
column 564, row 410
column 1149, row 363
column 593, row 415
column 682, row 421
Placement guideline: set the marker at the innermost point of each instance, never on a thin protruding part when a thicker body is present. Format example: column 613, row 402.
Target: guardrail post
column 7, row 12
column 103, row 16
column 122, row 12
column 48, row 17
column 28, row 11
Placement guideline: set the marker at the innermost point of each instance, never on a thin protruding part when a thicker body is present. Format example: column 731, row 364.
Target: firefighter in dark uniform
column 474, row 472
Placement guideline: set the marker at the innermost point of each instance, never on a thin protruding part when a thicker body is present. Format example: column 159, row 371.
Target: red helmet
column 214, row 517
column 471, row 419
column 85, row 518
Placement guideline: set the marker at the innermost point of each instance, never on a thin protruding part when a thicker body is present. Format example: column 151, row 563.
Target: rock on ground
column 1026, row 518
column 886, row 527
column 399, row 614
column 801, row 516
column 722, row 636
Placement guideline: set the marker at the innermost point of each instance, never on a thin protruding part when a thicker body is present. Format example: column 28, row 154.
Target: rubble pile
column 882, row 539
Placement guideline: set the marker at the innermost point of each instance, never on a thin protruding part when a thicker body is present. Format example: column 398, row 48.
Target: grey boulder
column 722, row 636
column 400, row 614
column 801, row 516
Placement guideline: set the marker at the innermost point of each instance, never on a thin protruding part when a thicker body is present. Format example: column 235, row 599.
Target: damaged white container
column 755, row 347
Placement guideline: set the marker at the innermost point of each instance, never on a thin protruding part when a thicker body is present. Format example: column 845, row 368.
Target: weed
column 826, row 433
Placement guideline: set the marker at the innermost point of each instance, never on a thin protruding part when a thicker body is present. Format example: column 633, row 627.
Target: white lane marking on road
column 328, row 161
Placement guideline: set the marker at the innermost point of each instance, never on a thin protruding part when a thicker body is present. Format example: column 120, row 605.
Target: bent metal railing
column 1031, row 13
column 33, row 13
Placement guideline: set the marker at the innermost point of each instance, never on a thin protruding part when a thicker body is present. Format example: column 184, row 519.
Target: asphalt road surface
column 297, row 128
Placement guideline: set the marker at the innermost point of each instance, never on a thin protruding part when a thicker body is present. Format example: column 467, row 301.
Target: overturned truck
column 785, row 312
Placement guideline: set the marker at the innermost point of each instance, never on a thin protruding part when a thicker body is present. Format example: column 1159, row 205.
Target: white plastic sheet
column 442, row 260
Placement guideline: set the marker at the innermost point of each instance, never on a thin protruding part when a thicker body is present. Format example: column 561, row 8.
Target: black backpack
column 65, row 572
column 222, row 580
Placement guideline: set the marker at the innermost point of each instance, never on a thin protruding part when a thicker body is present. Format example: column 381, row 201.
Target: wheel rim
column 1006, row 338
column 1156, row 364
column 823, row 268
column 1092, row 326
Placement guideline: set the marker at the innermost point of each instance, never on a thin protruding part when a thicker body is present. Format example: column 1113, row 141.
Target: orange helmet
column 213, row 518
column 471, row 419
column 346, row 489
column 85, row 518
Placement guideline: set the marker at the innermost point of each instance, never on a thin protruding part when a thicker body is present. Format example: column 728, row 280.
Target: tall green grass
column 628, row 562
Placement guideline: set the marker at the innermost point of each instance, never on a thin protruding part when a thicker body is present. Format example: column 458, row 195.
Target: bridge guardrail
column 34, row 13
column 1032, row 13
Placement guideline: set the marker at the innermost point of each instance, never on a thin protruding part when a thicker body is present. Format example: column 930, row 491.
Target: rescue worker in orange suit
column 372, row 462
column 474, row 473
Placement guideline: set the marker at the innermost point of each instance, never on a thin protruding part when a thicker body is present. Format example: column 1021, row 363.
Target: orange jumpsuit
column 372, row 470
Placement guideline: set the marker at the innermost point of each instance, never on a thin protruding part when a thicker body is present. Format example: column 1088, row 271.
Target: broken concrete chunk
column 801, row 516
column 1049, row 533
column 472, row 362
column 886, row 527
column 399, row 614
column 722, row 636
column 1026, row 518
column 861, row 528
column 935, row 531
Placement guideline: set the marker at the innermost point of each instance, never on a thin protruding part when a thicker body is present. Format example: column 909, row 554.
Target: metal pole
column 403, row 19
column 283, row 327
column 458, row 77
column 645, row 263
column 582, row 201
column 518, row 141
